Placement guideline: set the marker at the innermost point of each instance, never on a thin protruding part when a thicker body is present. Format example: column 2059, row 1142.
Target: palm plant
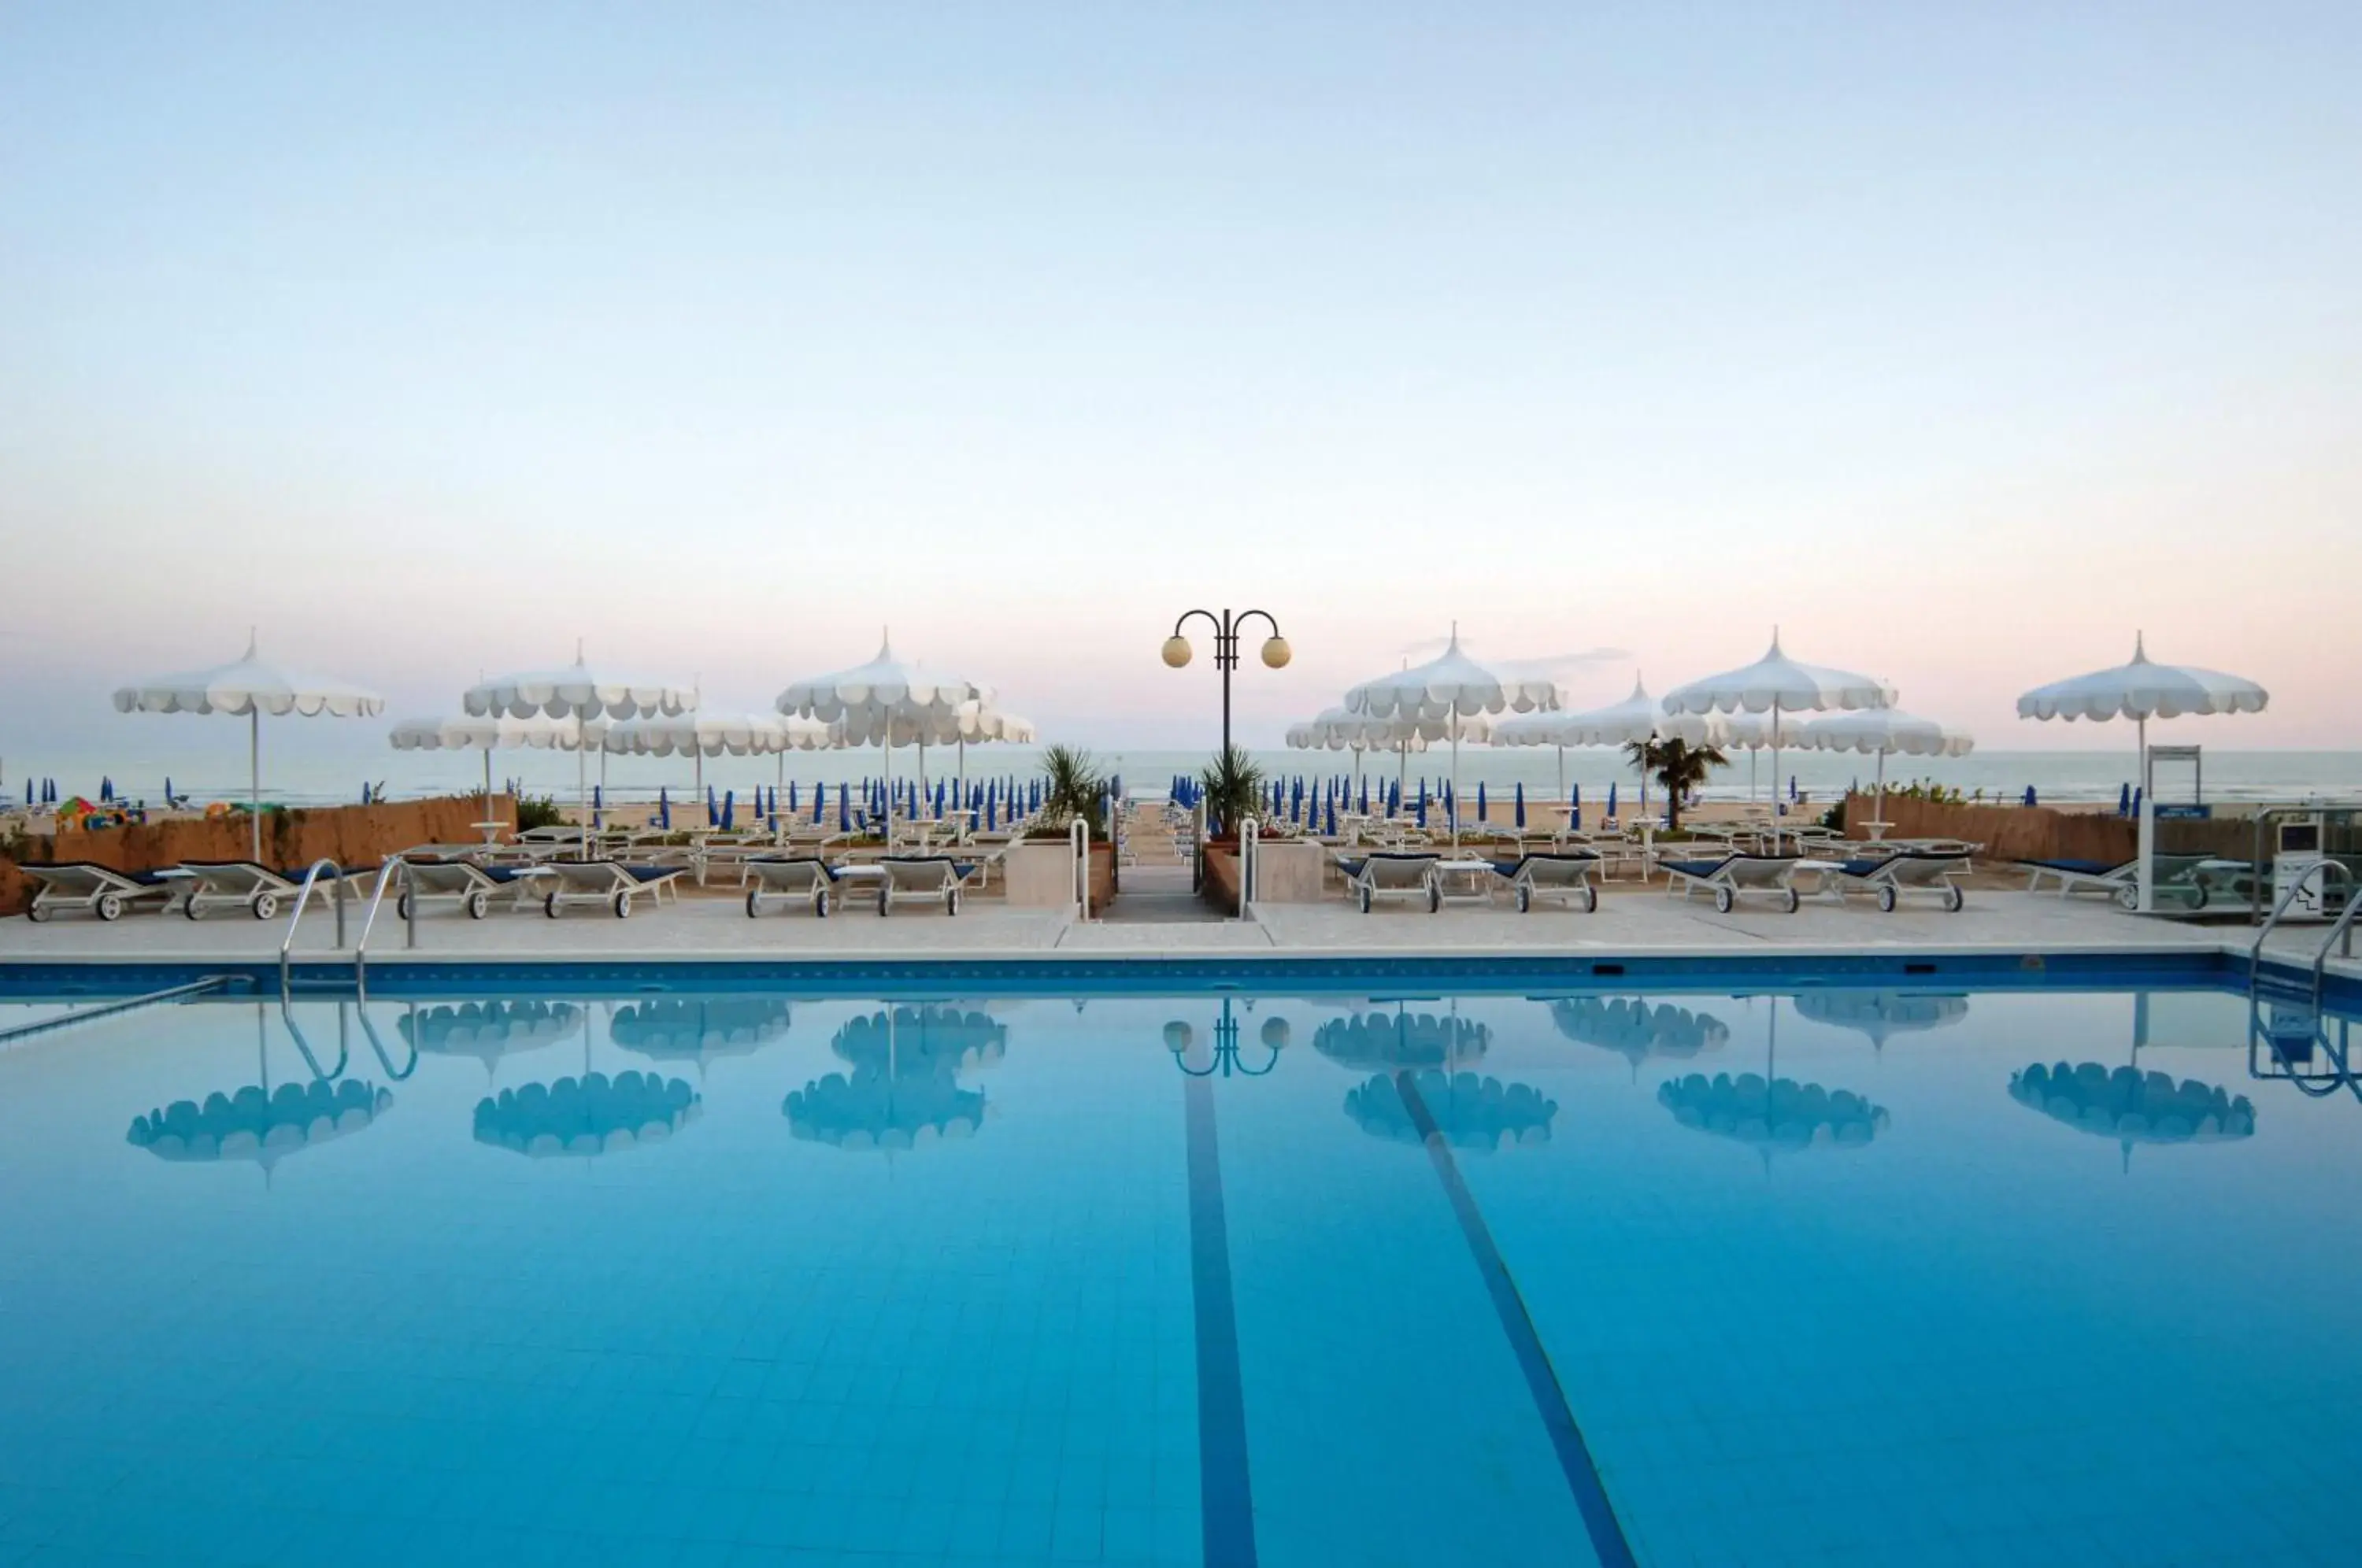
column 1072, row 788
column 1679, row 767
column 1232, row 784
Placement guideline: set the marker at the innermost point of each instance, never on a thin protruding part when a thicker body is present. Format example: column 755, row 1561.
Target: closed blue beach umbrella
column 712, row 812
column 2137, row 801
column 1483, row 810
column 819, row 803
column 663, row 809
column 2029, row 794
column 1611, row 797
column 598, row 803
column 992, row 812
column 1422, row 803
column 2124, row 798
column 1520, row 818
column 845, row 808
column 1332, row 816
column 729, row 808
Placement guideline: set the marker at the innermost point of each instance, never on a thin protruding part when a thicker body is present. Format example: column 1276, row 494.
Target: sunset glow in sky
column 1962, row 342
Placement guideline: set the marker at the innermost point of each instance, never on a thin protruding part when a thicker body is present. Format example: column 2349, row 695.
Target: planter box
column 1288, row 873
column 1221, row 889
column 1041, row 875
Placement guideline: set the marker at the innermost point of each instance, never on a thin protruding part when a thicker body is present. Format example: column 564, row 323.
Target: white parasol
column 582, row 694
column 2141, row 692
column 1883, row 731
column 249, row 688
column 489, row 734
column 1776, row 684
column 1339, row 729
column 885, row 703
column 1618, row 724
column 1435, row 698
column 702, row 735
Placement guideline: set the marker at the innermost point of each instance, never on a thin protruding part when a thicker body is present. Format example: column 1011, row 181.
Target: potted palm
column 1232, row 785
column 1677, row 766
column 1040, row 866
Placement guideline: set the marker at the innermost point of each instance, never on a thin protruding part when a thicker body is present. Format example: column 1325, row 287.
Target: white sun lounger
column 1890, row 877
column 1394, row 874
column 608, row 882
column 791, row 880
column 101, row 891
column 1726, row 877
column 1565, row 876
column 2101, row 876
column 463, row 882
column 238, row 884
column 923, row 879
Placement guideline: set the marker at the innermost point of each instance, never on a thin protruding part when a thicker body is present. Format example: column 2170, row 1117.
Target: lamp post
column 1275, row 652
column 1180, row 1037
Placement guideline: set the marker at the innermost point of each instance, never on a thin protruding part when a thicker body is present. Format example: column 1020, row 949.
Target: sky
column 1960, row 343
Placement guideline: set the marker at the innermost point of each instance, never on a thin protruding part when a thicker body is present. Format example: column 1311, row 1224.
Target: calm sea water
column 317, row 763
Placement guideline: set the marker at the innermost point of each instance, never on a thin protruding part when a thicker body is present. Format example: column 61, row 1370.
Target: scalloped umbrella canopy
column 916, row 1038
column 1618, row 724
column 2133, row 1107
column 886, row 703
column 488, row 1030
column 978, row 723
column 1782, row 1115
column 1636, row 1030
column 249, row 688
column 1366, row 1042
column 873, row 1110
column 1470, row 1112
column 470, row 731
column 1884, row 732
column 1881, row 1015
column 1734, row 732
column 682, row 1028
column 582, row 694
column 2143, row 691
column 1777, row 682
column 264, row 1126
column 588, row 1116
column 1441, row 695
column 703, row 733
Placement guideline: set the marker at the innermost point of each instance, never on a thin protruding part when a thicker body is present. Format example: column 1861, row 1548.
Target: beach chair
column 462, row 882
column 797, row 878
column 919, row 878
column 210, row 885
column 1565, row 876
column 1394, row 873
column 608, row 882
column 1888, row 877
column 2104, row 877
column 93, row 889
column 1733, row 874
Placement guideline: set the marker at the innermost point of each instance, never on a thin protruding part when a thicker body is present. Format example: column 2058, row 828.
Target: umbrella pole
column 488, row 794
column 254, row 776
column 1878, row 806
column 1455, row 773
column 582, row 779
column 2144, row 842
column 1775, row 776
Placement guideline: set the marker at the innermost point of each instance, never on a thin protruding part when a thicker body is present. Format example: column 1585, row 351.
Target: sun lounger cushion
column 2082, row 868
column 95, row 870
column 1699, row 867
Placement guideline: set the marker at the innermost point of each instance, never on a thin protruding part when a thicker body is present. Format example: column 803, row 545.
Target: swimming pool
column 1401, row 1274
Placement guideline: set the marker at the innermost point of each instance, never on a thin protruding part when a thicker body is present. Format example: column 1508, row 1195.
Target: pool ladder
column 394, row 869
column 2285, row 1019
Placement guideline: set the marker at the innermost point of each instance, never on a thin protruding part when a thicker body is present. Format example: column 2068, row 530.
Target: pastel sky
column 1959, row 340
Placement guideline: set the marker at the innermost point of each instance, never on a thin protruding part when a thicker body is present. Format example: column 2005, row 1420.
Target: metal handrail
column 304, row 1046
column 385, row 879
column 2255, row 953
column 1079, row 839
column 2344, row 929
column 1249, row 852
column 304, row 902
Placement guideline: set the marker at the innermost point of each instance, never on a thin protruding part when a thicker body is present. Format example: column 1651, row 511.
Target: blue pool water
column 1209, row 1278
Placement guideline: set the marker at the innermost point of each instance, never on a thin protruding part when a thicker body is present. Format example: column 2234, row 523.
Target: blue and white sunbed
column 2105, row 877
column 238, row 884
column 608, row 882
column 925, row 879
column 465, row 883
column 1888, row 877
column 1564, row 875
column 790, row 878
column 94, row 889
column 1729, row 876
column 1394, row 873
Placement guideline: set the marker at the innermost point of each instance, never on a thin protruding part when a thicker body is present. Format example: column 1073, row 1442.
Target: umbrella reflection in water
column 676, row 1029
column 258, row 1123
column 2133, row 1107
column 903, row 1090
column 1769, row 1113
column 1470, row 1112
column 1881, row 1015
column 1636, row 1030
column 488, row 1030
column 1368, row 1041
column 587, row 1116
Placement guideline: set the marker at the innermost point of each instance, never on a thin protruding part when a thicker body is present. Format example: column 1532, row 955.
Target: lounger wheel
column 1723, row 899
column 550, row 905
column 1590, row 900
column 753, row 902
column 37, row 912
column 2129, row 896
column 1362, row 896
column 1434, row 899
column 265, row 905
column 622, row 903
column 885, row 903
column 402, row 906
column 1886, row 899
column 1796, row 900
column 1525, row 899
column 951, row 900
column 820, row 904
column 192, row 909
column 1953, row 899
column 479, row 904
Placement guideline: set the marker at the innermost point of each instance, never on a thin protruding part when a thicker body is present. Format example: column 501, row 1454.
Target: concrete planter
column 1041, row 874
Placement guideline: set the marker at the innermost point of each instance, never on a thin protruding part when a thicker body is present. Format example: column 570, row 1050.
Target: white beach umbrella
column 1341, row 729
column 584, row 694
column 1618, row 724
column 1883, row 732
column 2141, row 692
column 702, row 735
column 249, row 688
column 979, row 723
column 1776, row 684
column 1438, row 696
column 487, row 734
column 885, row 703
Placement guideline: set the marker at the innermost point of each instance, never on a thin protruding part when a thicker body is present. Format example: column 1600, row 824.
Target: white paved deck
column 1629, row 921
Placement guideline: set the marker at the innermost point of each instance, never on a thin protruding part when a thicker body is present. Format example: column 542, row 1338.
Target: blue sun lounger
column 1731, row 875
column 608, row 882
column 1888, row 877
column 1394, row 873
column 791, row 879
column 93, row 889
column 239, row 884
column 427, row 883
column 2105, row 877
column 925, row 879
column 1564, row 875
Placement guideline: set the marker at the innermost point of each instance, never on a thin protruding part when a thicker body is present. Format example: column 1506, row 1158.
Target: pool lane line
column 1225, row 1496
column 1542, row 1378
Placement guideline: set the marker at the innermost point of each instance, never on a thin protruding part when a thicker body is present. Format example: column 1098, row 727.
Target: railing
column 1079, row 839
column 2255, row 953
column 304, row 902
column 394, row 869
column 1249, row 856
column 2340, row 934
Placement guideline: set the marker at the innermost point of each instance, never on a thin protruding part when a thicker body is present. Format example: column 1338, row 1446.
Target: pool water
column 1846, row 1275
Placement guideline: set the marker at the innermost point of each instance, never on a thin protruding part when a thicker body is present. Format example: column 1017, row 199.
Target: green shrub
column 537, row 811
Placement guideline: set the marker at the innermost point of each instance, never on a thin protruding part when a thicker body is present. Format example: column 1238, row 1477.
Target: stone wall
column 2039, row 833
column 351, row 835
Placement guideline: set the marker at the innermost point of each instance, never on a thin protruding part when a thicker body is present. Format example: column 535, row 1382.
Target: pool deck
column 1628, row 921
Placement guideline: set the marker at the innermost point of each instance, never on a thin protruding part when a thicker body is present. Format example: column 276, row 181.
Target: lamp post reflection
column 1224, row 1055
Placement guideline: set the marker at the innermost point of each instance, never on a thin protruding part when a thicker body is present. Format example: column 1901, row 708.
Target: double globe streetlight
column 1275, row 652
